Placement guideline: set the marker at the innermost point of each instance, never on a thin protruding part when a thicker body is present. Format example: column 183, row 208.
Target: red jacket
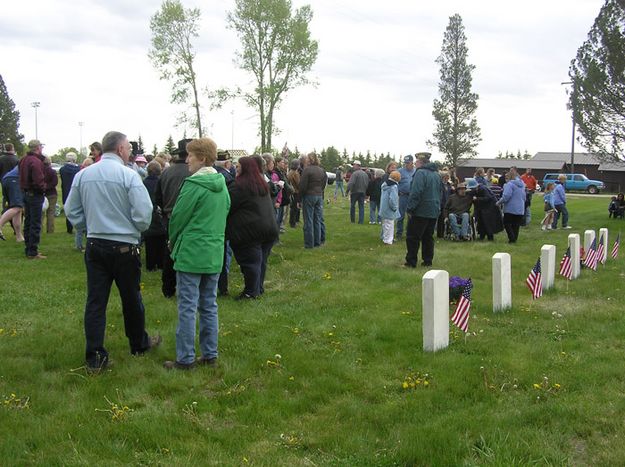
column 31, row 173
column 51, row 180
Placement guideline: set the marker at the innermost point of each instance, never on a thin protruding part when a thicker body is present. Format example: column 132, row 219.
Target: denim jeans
column 33, row 204
column 403, row 204
column 196, row 293
column 107, row 261
column 313, row 220
column 374, row 208
column 252, row 260
column 338, row 186
column 463, row 229
column 360, row 199
column 561, row 210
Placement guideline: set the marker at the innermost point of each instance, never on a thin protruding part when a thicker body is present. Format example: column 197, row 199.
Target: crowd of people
column 194, row 210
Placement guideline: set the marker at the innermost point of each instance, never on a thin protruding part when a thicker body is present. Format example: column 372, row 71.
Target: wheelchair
column 449, row 233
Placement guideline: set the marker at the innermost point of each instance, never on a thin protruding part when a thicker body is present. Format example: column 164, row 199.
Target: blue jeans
column 374, row 208
column 33, row 203
column 403, row 204
column 196, row 292
column 360, row 199
column 338, row 186
column 313, row 220
column 252, row 260
column 463, row 229
column 560, row 210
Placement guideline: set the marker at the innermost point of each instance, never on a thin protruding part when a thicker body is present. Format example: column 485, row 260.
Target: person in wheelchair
column 617, row 206
column 458, row 212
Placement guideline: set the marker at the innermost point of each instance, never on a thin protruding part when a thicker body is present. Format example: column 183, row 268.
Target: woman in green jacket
column 196, row 236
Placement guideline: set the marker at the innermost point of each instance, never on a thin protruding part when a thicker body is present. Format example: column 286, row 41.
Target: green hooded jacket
column 198, row 223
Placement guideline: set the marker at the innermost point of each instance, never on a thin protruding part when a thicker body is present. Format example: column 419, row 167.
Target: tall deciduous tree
column 277, row 49
column 173, row 27
column 9, row 120
column 598, row 75
column 457, row 133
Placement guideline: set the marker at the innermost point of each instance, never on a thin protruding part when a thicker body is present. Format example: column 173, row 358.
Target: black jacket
column 67, row 173
column 252, row 218
column 157, row 227
column 168, row 186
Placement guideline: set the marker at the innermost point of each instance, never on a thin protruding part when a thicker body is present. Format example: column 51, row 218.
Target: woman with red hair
column 251, row 227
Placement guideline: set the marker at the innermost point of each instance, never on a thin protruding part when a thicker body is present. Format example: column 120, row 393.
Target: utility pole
column 36, row 105
column 573, row 132
column 80, row 124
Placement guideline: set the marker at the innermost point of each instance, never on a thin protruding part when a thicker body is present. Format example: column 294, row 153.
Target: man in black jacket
column 167, row 190
column 67, row 173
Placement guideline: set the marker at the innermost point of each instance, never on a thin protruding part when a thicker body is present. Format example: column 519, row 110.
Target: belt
column 118, row 247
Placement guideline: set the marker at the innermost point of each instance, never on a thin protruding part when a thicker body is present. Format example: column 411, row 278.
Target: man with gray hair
column 111, row 202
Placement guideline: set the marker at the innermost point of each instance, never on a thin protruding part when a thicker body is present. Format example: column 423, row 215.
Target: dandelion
column 536, row 386
column 327, row 276
column 557, row 386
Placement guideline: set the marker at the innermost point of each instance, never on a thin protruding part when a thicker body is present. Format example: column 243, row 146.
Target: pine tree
column 9, row 121
column 598, row 75
column 457, row 133
column 170, row 145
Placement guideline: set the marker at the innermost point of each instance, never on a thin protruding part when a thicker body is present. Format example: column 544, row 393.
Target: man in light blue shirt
column 111, row 202
column 406, row 172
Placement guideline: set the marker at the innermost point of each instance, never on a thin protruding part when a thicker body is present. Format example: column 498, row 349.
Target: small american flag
column 601, row 250
column 565, row 265
column 535, row 281
column 461, row 316
column 591, row 256
column 617, row 242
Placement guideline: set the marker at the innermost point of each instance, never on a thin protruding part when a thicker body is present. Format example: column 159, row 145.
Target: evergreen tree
column 457, row 133
column 330, row 158
column 154, row 150
column 140, row 145
column 170, row 145
column 598, row 76
column 9, row 121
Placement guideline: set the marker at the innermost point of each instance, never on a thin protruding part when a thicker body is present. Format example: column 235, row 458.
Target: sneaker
column 544, row 227
column 170, row 365
column 206, row 361
column 244, row 296
column 37, row 256
column 568, row 227
column 549, row 227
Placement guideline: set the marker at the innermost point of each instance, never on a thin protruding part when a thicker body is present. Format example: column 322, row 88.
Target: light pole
column 36, row 105
column 573, row 132
column 232, row 130
column 80, row 124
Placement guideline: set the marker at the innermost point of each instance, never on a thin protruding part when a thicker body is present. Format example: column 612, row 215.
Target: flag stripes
column 535, row 281
column 461, row 316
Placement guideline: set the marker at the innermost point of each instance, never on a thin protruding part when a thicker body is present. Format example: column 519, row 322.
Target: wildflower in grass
column 295, row 331
column 142, row 286
column 413, row 380
column 327, row 276
column 118, row 411
column 14, row 402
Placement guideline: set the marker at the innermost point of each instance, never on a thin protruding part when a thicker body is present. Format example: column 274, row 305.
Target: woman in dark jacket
column 487, row 213
column 251, row 227
column 156, row 236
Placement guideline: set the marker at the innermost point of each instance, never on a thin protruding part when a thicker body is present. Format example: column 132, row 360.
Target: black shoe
column 244, row 296
column 408, row 265
column 206, row 361
column 170, row 365
column 426, row 263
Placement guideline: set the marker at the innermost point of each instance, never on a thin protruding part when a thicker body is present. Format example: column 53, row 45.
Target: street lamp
column 573, row 132
column 80, row 124
column 36, row 105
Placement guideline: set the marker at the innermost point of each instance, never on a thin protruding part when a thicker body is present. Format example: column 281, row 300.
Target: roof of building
column 507, row 163
column 581, row 158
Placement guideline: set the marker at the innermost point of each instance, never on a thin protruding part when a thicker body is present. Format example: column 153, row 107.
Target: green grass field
column 314, row 372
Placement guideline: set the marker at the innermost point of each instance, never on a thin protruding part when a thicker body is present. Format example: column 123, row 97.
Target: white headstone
column 548, row 265
column 589, row 236
column 575, row 258
column 435, row 303
column 502, row 282
column 604, row 232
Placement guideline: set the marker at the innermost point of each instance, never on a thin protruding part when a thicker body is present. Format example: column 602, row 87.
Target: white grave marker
column 502, row 282
column 435, row 303
column 575, row 258
column 548, row 265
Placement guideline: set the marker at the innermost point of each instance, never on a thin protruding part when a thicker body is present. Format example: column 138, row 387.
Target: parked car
column 576, row 182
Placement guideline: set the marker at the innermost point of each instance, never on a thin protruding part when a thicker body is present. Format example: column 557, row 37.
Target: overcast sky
column 86, row 61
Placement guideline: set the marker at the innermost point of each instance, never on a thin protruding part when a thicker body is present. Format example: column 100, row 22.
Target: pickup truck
column 575, row 182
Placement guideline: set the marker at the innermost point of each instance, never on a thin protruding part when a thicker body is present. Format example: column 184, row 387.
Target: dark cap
column 182, row 147
column 223, row 155
column 408, row 159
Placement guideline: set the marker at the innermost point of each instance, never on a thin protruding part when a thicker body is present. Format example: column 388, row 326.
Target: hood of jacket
column 387, row 185
column 517, row 182
column 210, row 180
